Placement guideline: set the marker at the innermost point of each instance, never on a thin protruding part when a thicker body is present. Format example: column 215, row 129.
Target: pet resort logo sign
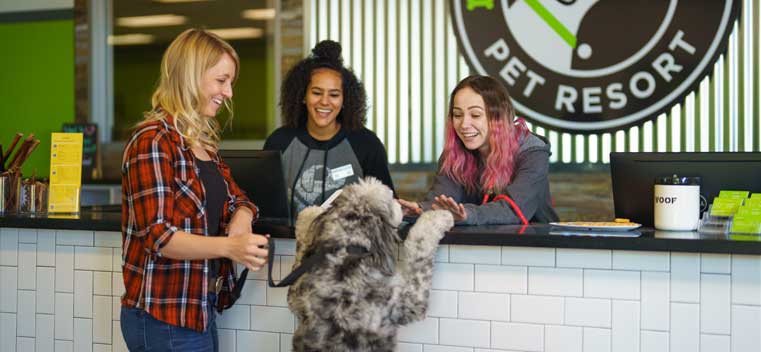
column 594, row 65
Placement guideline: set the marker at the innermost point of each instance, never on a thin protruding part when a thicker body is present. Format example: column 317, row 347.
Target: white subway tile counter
column 59, row 290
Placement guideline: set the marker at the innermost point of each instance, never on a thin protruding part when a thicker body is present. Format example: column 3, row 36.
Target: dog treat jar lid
column 678, row 180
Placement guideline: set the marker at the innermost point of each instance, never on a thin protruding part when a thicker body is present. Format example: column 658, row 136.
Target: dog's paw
column 436, row 220
column 425, row 234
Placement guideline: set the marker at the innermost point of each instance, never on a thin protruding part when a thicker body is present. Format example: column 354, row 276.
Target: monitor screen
column 633, row 176
column 259, row 173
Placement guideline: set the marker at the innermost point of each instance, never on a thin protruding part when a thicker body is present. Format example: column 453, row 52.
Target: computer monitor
column 633, row 176
column 260, row 174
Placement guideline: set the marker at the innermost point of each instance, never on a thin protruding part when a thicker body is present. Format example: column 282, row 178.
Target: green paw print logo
column 486, row 4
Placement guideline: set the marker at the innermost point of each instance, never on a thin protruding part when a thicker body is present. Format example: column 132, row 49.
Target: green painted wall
column 136, row 71
column 36, row 84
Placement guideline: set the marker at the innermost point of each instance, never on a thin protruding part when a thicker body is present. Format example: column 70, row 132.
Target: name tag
column 341, row 172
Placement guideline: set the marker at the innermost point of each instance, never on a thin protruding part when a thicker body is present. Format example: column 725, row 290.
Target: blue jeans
column 142, row 332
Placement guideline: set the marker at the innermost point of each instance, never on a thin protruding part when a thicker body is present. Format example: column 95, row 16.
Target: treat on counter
column 33, row 197
column 8, row 152
column 23, row 152
column 10, row 192
column 596, row 223
column 615, row 225
column 10, row 171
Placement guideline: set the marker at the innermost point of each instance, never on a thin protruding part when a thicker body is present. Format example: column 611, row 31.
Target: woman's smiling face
column 470, row 121
column 217, row 85
column 324, row 99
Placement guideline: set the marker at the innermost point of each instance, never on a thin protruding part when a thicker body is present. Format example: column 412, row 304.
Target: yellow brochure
column 65, row 172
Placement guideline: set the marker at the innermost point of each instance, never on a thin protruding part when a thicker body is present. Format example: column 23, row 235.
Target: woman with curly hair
column 184, row 220
column 492, row 169
column 324, row 142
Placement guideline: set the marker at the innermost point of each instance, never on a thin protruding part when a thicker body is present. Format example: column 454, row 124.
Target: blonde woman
column 184, row 220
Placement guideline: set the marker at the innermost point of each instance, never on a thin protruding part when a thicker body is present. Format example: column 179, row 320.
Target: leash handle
column 270, row 259
column 244, row 274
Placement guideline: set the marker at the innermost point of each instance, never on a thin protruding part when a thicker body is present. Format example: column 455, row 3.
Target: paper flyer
column 65, row 172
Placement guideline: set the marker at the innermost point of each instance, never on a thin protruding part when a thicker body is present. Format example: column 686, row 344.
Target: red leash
column 509, row 201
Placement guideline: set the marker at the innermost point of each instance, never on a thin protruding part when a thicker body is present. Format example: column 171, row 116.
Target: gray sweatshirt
column 315, row 169
column 529, row 188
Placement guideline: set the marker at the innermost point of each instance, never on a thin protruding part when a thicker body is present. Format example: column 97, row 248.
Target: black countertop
column 86, row 220
column 505, row 235
column 645, row 239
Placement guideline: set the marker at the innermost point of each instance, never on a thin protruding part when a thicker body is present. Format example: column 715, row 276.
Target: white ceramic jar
column 676, row 203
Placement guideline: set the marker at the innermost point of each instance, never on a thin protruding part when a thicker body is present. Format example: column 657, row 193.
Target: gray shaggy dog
column 357, row 302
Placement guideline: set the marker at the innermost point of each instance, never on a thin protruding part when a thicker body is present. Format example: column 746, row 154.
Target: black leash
column 309, row 263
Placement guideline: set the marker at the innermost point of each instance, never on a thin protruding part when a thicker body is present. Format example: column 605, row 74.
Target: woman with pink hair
column 493, row 170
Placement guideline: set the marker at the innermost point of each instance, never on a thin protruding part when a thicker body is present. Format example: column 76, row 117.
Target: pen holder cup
column 33, row 197
column 10, row 183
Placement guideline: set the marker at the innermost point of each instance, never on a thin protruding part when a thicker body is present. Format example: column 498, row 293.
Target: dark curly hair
column 326, row 54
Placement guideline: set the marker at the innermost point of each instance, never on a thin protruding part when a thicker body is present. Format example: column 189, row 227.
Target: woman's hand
column 246, row 247
column 409, row 208
column 249, row 249
column 443, row 202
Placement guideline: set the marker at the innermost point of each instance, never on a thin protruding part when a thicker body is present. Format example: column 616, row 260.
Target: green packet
column 733, row 194
column 753, row 202
column 746, row 223
column 725, row 206
column 749, row 238
column 755, row 196
column 749, row 211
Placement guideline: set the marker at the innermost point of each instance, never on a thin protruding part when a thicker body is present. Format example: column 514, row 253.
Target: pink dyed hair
column 505, row 134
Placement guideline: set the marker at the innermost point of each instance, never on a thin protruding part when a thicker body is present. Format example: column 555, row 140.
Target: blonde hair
column 178, row 92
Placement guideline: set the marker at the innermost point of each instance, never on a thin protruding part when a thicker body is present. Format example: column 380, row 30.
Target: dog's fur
column 356, row 303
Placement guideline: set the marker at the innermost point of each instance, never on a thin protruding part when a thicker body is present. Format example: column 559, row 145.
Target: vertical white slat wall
column 405, row 52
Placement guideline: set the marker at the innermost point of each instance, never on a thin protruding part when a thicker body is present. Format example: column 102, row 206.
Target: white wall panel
column 528, row 302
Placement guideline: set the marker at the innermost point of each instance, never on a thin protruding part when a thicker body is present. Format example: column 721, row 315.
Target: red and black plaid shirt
column 162, row 194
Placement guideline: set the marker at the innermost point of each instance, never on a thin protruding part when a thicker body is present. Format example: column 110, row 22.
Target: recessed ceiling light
column 130, row 39
column 258, row 14
column 177, row 1
column 151, row 21
column 238, row 33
